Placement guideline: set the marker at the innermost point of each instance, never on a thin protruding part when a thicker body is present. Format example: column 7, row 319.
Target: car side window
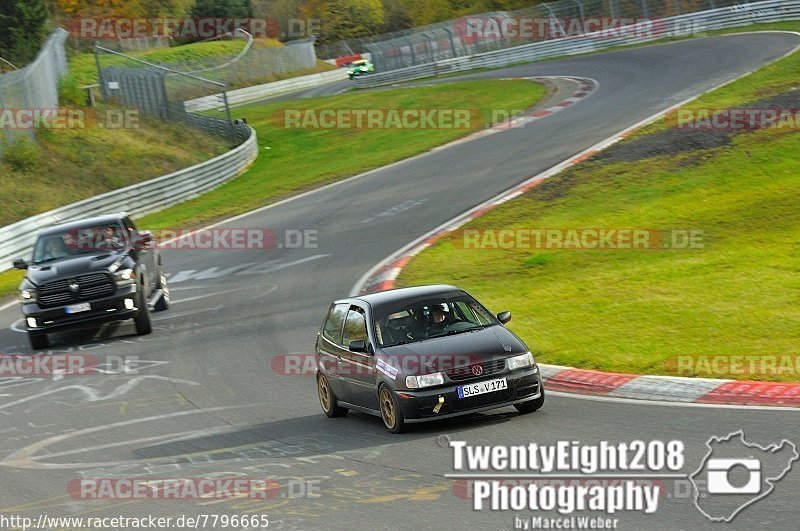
column 332, row 329
column 355, row 327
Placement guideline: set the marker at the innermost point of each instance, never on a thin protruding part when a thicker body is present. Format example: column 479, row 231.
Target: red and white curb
column 584, row 88
column 661, row 388
column 670, row 388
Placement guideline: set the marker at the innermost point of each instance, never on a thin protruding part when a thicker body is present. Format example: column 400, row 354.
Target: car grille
column 465, row 373
column 90, row 287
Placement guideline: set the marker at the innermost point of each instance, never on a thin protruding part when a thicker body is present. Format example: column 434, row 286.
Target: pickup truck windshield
column 77, row 241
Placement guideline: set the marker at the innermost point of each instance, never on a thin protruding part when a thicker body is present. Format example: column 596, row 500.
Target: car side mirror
column 143, row 240
column 19, row 263
column 504, row 317
column 358, row 345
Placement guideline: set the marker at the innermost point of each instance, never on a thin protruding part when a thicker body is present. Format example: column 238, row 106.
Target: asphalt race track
column 204, row 399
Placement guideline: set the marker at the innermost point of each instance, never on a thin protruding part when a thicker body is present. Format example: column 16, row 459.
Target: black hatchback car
column 423, row 353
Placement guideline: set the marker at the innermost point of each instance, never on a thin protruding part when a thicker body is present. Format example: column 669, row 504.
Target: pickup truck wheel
column 163, row 301
column 142, row 319
column 38, row 341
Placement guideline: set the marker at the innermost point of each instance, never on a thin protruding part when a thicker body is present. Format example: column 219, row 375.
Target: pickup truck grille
column 90, row 287
column 465, row 373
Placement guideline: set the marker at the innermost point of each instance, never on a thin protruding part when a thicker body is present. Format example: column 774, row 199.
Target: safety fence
column 35, row 86
column 636, row 33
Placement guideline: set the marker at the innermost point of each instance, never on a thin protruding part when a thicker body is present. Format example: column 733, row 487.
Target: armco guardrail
column 266, row 90
column 150, row 196
column 683, row 25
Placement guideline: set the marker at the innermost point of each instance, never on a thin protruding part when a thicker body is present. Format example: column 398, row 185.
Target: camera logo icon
column 719, row 482
column 735, row 474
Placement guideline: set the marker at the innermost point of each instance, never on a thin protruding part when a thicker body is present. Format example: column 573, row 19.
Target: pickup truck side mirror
column 19, row 263
column 358, row 345
column 504, row 317
column 143, row 240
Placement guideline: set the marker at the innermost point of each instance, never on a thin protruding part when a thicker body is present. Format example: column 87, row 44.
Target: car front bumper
column 419, row 406
column 103, row 310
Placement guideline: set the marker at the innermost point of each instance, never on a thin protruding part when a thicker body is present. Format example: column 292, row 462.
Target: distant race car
column 418, row 354
column 360, row 67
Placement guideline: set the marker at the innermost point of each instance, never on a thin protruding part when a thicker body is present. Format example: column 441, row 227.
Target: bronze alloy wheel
column 327, row 398
column 388, row 413
column 324, row 393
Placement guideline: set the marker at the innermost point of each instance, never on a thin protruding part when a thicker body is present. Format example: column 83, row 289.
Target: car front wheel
column 390, row 410
column 531, row 405
column 142, row 319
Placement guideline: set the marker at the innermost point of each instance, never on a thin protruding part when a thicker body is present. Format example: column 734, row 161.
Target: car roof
column 110, row 219
column 400, row 294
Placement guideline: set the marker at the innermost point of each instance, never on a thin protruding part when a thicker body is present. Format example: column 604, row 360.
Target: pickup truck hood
column 71, row 267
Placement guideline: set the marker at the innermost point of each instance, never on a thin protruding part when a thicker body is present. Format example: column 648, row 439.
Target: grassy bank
column 643, row 311
column 296, row 159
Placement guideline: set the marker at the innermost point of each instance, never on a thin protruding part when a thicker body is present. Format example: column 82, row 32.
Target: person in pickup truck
column 110, row 240
column 55, row 249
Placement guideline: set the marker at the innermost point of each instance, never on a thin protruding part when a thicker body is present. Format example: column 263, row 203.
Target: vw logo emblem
column 74, row 287
column 477, row 370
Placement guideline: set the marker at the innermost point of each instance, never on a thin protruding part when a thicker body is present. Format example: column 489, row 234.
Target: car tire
column 531, row 405
column 142, row 319
column 38, row 341
column 163, row 301
column 390, row 410
column 327, row 398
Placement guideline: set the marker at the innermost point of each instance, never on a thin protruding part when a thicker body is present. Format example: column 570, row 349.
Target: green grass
column 83, row 68
column 67, row 165
column 293, row 160
column 638, row 311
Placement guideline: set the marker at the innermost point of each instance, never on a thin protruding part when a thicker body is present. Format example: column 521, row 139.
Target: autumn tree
column 23, row 29
column 222, row 9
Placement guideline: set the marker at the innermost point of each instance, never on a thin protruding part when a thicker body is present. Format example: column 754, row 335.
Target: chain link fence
column 497, row 30
column 162, row 89
column 34, row 87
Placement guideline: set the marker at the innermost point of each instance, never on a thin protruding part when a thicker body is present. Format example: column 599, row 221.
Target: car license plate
column 78, row 308
column 480, row 388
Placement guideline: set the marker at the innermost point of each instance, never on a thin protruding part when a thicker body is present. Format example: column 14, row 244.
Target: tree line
column 24, row 24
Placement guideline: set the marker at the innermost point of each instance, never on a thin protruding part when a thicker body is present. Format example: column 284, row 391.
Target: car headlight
column 27, row 295
column 521, row 361
column 424, row 380
column 125, row 275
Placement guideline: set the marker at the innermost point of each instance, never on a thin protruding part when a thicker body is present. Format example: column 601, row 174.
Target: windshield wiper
column 454, row 332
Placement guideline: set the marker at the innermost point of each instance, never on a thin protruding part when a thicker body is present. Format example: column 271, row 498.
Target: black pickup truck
column 91, row 271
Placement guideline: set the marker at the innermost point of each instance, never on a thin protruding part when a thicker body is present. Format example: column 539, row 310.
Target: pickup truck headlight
column 27, row 295
column 424, row 380
column 521, row 361
column 124, row 276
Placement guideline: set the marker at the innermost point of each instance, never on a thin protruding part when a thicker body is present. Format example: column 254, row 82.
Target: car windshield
column 430, row 318
column 77, row 241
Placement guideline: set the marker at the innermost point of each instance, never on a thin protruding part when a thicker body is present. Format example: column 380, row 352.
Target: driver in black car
column 439, row 322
